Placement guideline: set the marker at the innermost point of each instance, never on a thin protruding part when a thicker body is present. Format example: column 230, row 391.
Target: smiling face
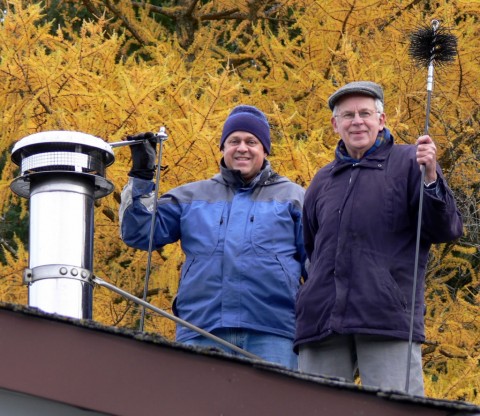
column 244, row 152
column 358, row 123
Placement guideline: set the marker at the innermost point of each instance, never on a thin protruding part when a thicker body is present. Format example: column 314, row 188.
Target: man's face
column 244, row 152
column 358, row 123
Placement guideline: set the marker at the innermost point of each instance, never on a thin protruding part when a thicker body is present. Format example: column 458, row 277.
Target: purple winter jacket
column 360, row 223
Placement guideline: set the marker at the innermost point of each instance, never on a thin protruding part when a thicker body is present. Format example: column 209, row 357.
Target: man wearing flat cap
column 360, row 225
column 241, row 232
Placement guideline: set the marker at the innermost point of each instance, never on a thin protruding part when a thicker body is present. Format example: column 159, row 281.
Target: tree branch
column 125, row 21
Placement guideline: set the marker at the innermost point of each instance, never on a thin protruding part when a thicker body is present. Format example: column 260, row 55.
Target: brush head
column 432, row 45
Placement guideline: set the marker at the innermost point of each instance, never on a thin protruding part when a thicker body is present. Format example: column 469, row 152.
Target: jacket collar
column 234, row 179
column 375, row 155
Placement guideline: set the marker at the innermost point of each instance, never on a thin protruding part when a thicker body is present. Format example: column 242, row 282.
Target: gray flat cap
column 358, row 88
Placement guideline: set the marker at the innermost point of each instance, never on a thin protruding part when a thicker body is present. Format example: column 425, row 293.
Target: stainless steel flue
column 62, row 172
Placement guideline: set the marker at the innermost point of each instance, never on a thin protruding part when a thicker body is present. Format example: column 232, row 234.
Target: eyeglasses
column 363, row 114
column 234, row 141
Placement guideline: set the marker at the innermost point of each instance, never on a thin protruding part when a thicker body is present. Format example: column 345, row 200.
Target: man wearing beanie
column 360, row 227
column 241, row 232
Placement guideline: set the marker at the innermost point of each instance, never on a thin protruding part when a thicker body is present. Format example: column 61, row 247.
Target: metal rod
column 174, row 318
column 419, row 221
column 162, row 136
column 126, row 143
column 415, row 278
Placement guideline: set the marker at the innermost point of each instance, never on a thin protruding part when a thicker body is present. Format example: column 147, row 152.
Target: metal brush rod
column 160, row 136
column 174, row 318
column 126, row 143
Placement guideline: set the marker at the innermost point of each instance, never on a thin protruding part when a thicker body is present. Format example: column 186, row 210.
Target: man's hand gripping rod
column 161, row 136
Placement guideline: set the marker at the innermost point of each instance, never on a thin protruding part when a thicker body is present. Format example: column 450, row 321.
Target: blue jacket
column 243, row 246
column 360, row 223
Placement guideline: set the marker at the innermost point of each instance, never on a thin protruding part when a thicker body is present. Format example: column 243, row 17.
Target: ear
column 333, row 120
column 382, row 120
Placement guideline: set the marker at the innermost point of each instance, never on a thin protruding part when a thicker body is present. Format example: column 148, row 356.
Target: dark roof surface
column 124, row 372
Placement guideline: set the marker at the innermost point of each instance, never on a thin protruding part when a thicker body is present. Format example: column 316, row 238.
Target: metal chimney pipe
column 62, row 172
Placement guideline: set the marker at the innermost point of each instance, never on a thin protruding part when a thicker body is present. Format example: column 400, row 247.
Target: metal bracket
column 56, row 271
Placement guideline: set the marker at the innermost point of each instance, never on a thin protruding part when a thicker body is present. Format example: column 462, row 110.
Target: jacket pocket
column 291, row 273
column 396, row 204
column 272, row 228
column 185, row 269
column 395, row 291
column 202, row 227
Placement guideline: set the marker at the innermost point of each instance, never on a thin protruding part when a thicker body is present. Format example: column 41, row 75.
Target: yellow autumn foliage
column 114, row 70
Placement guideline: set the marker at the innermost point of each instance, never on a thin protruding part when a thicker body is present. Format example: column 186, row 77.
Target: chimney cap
column 46, row 139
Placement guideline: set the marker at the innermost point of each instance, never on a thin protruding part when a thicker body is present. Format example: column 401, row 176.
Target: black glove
column 143, row 156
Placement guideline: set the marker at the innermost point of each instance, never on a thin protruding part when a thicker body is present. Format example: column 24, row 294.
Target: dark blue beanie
column 250, row 119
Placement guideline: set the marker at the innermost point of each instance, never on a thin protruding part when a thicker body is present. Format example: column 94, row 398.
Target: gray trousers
column 381, row 361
